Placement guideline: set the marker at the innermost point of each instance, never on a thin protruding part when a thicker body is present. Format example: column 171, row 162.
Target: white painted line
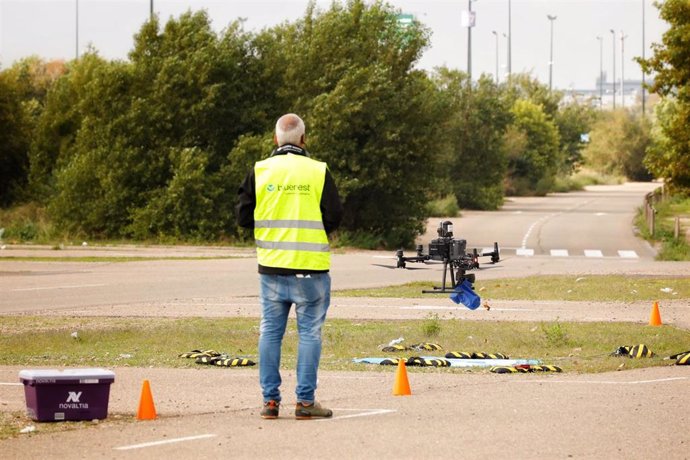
column 383, row 257
column 166, row 441
column 628, row 254
column 431, row 307
column 43, row 288
column 593, row 253
column 8, row 384
column 606, row 382
column 559, row 252
column 367, row 413
column 599, row 214
column 524, row 252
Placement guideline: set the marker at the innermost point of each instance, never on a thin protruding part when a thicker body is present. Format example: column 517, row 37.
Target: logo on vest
column 73, row 401
column 289, row 188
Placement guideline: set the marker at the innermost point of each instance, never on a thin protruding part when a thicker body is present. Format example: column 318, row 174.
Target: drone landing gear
column 456, row 277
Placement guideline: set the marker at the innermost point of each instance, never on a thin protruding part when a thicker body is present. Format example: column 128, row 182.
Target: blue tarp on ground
column 457, row 362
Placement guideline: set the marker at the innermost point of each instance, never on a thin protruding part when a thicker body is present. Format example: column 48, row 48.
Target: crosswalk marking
column 592, row 253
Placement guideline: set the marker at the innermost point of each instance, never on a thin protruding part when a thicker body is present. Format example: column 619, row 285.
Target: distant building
column 629, row 95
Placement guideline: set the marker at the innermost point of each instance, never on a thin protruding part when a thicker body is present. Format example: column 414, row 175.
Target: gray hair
column 289, row 129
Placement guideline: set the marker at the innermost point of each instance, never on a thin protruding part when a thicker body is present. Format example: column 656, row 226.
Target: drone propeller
column 406, row 268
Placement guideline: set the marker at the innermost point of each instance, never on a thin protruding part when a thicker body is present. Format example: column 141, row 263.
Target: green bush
column 446, row 206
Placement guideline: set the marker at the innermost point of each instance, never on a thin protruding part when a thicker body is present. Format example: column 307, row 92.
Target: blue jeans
column 311, row 295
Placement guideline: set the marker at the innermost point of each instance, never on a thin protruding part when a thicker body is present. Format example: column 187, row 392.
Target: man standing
column 292, row 203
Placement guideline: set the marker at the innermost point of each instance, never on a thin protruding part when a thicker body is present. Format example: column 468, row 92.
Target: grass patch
column 666, row 212
column 106, row 258
column 11, row 424
column 141, row 342
column 553, row 287
column 446, row 206
column 32, row 341
column 27, row 222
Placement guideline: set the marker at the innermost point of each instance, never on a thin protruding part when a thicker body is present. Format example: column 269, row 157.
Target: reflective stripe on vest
column 288, row 226
column 285, row 223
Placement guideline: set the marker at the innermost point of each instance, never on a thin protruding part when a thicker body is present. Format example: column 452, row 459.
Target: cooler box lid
column 47, row 376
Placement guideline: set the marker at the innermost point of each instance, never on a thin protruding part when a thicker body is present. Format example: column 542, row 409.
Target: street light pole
column 76, row 46
column 510, row 45
column 551, row 19
column 613, row 35
column 470, row 24
column 623, row 37
column 600, row 39
column 496, row 35
column 643, row 73
column 150, row 10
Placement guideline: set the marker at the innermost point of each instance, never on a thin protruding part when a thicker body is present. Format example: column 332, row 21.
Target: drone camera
column 445, row 229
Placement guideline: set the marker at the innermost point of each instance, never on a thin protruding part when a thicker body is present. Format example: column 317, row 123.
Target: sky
column 48, row 28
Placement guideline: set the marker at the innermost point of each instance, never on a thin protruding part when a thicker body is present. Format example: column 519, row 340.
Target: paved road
column 597, row 220
column 208, row 413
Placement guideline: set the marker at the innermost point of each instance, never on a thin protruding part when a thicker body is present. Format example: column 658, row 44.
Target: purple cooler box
column 71, row 394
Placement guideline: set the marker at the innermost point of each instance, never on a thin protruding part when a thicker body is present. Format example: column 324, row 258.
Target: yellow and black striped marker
column 415, row 361
column 394, row 348
column 683, row 360
column 426, row 346
column 199, row 353
column 235, row 362
column 641, row 351
column 482, row 355
column 437, row 362
column 546, row 368
column 459, row 354
column 390, row 362
column 504, row 370
column 206, row 359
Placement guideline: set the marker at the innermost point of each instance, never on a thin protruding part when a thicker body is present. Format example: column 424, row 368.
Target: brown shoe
column 314, row 410
column 270, row 410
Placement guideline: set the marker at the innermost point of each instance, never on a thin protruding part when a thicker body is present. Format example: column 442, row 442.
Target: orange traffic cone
column 655, row 317
column 402, row 385
column 147, row 410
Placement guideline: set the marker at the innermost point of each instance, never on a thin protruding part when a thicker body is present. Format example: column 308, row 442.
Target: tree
column 617, row 146
column 478, row 115
column 148, row 140
column 533, row 169
column 671, row 64
column 14, row 142
column 376, row 121
column 573, row 120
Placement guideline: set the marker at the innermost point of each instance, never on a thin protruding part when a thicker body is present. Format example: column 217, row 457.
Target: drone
column 452, row 253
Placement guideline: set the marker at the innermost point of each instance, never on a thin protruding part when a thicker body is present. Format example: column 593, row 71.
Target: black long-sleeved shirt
column 331, row 207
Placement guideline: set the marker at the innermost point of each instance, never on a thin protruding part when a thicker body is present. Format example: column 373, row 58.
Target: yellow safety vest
column 288, row 227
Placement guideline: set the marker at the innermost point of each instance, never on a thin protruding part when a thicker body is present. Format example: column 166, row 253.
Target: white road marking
column 8, row 384
column 524, row 252
column 43, row 288
column 163, row 442
column 600, row 214
column 628, row 254
column 606, row 382
column 365, row 413
column 593, row 253
column 559, row 252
